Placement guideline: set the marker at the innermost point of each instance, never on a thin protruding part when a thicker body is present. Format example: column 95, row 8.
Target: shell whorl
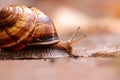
column 20, row 25
column 45, row 32
column 17, row 25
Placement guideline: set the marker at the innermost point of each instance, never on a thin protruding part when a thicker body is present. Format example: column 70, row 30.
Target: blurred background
column 93, row 16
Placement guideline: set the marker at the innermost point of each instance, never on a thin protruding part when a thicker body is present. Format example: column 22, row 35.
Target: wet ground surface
column 97, row 62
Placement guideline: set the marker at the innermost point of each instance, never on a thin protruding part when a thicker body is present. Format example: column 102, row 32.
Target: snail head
column 72, row 41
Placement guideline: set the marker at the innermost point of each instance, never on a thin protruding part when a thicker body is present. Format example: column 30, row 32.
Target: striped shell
column 22, row 25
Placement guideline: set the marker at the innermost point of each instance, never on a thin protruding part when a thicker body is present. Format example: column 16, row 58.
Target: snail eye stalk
column 71, row 41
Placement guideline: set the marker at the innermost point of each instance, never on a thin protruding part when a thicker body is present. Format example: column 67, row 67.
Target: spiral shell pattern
column 20, row 25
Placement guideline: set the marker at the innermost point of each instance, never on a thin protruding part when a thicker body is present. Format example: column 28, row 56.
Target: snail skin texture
column 26, row 33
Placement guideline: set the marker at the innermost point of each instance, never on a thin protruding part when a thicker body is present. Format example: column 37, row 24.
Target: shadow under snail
column 26, row 31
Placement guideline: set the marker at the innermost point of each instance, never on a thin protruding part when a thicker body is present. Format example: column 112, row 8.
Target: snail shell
column 28, row 31
column 21, row 25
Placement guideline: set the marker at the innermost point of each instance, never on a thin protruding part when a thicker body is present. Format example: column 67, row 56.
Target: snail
column 22, row 27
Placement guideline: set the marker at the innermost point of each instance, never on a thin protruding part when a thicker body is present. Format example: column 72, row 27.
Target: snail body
column 23, row 26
